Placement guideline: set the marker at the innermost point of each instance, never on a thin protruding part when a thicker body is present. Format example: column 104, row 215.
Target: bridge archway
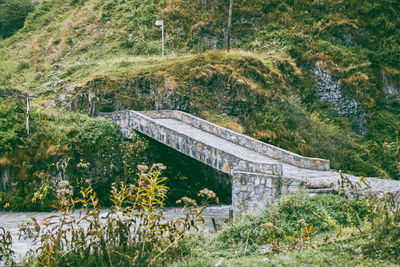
column 187, row 176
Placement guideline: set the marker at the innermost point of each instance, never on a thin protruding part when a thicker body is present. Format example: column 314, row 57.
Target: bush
column 290, row 217
column 12, row 125
column 382, row 232
column 287, row 213
column 73, row 147
column 133, row 231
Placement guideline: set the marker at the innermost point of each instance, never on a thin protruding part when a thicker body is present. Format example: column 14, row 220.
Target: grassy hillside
column 320, row 78
column 317, row 77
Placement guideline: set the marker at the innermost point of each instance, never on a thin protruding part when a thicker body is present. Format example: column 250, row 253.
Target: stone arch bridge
column 260, row 172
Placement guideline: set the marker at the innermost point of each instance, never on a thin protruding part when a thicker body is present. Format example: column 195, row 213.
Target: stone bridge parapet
column 243, row 140
column 130, row 121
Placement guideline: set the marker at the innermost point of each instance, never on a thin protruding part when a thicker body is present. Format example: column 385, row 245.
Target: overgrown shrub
column 73, row 147
column 132, row 232
column 291, row 216
column 348, row 221
column 6, row 253
column 12, row 125
column 381, row 234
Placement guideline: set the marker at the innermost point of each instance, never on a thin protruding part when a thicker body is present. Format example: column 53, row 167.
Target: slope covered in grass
column 320, row 78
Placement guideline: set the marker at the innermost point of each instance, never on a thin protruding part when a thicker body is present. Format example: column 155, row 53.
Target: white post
column 162, row 36
column 161, row 23
column 27, row 115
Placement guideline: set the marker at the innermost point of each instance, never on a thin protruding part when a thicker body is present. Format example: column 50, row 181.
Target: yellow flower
column 6, row 205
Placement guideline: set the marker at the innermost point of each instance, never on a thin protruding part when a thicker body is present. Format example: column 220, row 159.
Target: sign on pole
column 161, row 24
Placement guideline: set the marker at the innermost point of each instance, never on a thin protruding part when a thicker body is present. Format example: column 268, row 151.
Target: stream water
column 11, row 220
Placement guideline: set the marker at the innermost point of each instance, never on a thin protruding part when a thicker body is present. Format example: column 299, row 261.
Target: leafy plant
column 6, row 253
column 132, row 232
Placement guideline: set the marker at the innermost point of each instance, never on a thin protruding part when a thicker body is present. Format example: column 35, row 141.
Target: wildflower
column 208, row 193
column 64, row 192
column 219, row 263
column 163, row 191
column 64, row 189
column 267, row 249
column 159, row 166
column 63, row 184
column 187, row 201
column 142, row 168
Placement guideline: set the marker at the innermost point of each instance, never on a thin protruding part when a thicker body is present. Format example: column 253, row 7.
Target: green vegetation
column 13, row 14
column 134, row 231
column 299, row 230
column 72, row 146
column 69, row 50
column 78, row 58
column 85, row 151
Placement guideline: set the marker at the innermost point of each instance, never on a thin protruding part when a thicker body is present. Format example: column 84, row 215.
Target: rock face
column 207, row 82
column 329, row 90
column 140, row 93
column 391, row 87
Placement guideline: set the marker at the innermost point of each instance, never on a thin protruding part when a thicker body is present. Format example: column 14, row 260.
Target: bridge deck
column 215, row 141
column 289, row 171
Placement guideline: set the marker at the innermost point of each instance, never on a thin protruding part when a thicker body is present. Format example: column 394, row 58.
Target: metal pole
column 162, row 36
column 27, row 115
column 228, row 33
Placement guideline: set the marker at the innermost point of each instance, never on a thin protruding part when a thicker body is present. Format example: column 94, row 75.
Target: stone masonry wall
column 252, row 191
column 253, row 184
column 240, row 139
column 218, row 159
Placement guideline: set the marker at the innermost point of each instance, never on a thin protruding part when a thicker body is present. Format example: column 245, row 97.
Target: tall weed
column 133, row 232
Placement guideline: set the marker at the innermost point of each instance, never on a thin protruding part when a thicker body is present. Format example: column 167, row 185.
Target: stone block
column 268, row 182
